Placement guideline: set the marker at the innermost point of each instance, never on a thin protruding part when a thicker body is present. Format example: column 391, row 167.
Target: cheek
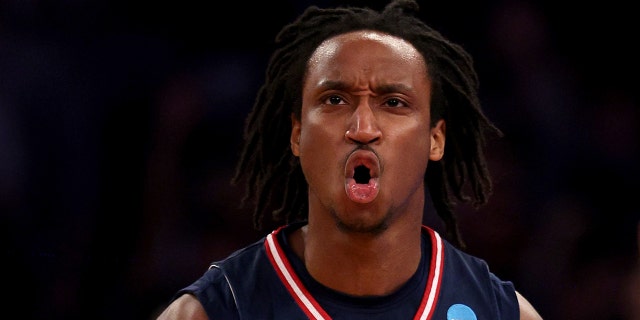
column 319, row 146
column 315, row 134
column 410, row 150
column 320, row 134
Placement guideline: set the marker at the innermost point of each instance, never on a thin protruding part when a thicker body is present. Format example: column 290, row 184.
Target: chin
column 363, row 226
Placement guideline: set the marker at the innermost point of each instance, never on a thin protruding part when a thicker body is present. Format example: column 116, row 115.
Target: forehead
column 366, row 58
column 356, row 41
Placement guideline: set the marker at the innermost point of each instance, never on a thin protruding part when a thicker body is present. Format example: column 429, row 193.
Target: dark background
column 120, row 123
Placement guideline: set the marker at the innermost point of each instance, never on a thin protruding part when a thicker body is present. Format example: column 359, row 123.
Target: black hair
column 275, row 181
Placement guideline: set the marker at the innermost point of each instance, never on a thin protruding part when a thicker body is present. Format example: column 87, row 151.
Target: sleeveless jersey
column 266, row 280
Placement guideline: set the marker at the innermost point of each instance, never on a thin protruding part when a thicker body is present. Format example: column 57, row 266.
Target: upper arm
column 527, row 311
column 186, row 306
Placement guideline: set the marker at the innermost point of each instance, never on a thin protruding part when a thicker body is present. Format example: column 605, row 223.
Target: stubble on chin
column 362, row 227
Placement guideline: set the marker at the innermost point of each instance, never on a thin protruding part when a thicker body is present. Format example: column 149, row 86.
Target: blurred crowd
column 120, row 124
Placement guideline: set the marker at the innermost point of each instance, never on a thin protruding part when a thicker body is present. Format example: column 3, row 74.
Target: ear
column 295, row 135
column 438, row 133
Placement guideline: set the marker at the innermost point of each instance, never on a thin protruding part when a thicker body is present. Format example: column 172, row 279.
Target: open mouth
column 361, row 173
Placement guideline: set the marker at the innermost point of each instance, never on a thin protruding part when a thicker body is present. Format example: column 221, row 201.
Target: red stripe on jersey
column 291, row 281
column 432, row 291
column 312, row 308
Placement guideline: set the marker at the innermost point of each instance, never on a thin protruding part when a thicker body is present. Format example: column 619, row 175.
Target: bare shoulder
column 527, row 311
column 185, row 307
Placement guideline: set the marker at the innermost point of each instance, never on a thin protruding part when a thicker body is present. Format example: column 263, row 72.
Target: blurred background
column 120, row 124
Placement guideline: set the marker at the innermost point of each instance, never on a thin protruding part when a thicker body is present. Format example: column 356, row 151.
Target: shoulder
column 184, row 307
column 211, row 293
column 467, row 279
column 527, row 311
column 505, row 295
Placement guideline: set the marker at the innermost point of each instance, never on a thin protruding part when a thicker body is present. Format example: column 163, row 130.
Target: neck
column 360, row 264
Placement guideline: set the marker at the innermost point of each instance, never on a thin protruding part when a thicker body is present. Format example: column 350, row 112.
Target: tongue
column 360, row 192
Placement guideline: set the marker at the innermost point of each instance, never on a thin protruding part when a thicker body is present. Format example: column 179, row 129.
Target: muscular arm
column 527, row 311
column 186, row 307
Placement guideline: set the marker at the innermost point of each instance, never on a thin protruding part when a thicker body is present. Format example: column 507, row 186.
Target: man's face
column 364, row 137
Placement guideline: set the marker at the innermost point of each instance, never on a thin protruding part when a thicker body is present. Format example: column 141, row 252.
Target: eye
column 334, row 100
column 394, row 103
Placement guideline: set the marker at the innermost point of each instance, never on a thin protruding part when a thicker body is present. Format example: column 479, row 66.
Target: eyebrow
column 380, row 89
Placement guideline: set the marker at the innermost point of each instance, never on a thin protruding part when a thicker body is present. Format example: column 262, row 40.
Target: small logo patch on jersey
column 460, row 312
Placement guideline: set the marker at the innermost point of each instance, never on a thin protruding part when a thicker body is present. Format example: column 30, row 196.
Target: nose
column 363, row 126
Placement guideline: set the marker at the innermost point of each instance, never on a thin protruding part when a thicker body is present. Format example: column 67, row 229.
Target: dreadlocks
column 275, row 180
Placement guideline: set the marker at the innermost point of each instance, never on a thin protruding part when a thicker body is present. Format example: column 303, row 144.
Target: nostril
column 363, row 141
column 361, row 174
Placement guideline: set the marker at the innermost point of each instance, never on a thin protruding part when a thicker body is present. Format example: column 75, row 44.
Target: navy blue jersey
column 266, row 280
